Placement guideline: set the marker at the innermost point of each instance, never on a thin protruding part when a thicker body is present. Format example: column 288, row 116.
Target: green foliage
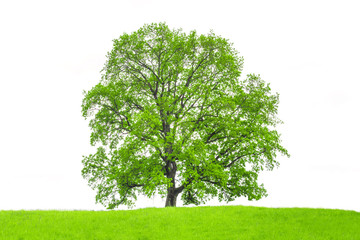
column 173, row 103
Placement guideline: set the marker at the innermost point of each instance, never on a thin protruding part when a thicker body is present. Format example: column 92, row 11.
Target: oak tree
column 172, row 116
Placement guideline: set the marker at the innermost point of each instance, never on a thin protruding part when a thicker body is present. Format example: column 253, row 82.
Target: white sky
column 50, row 51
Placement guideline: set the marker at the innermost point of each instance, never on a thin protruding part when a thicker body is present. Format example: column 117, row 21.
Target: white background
column 52, row 50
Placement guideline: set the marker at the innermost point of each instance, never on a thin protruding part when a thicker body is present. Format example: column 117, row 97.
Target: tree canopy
column 173, row 116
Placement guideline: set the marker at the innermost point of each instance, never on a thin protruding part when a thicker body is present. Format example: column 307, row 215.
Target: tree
column 175, row 118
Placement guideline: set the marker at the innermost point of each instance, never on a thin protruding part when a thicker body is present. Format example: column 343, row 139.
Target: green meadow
column 224, row 222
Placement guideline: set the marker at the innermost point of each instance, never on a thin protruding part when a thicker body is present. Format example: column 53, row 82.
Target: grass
column 225, row 222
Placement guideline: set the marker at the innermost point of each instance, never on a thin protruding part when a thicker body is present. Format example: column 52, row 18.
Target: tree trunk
column 171, row 198
column 172, row 195
column 171, row 168
column 172, row 191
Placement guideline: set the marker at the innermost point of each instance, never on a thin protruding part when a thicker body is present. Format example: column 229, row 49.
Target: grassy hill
column 225, row 222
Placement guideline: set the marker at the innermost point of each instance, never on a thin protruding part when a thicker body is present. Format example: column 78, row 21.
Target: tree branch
column 188, row 82
column 232, row 162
